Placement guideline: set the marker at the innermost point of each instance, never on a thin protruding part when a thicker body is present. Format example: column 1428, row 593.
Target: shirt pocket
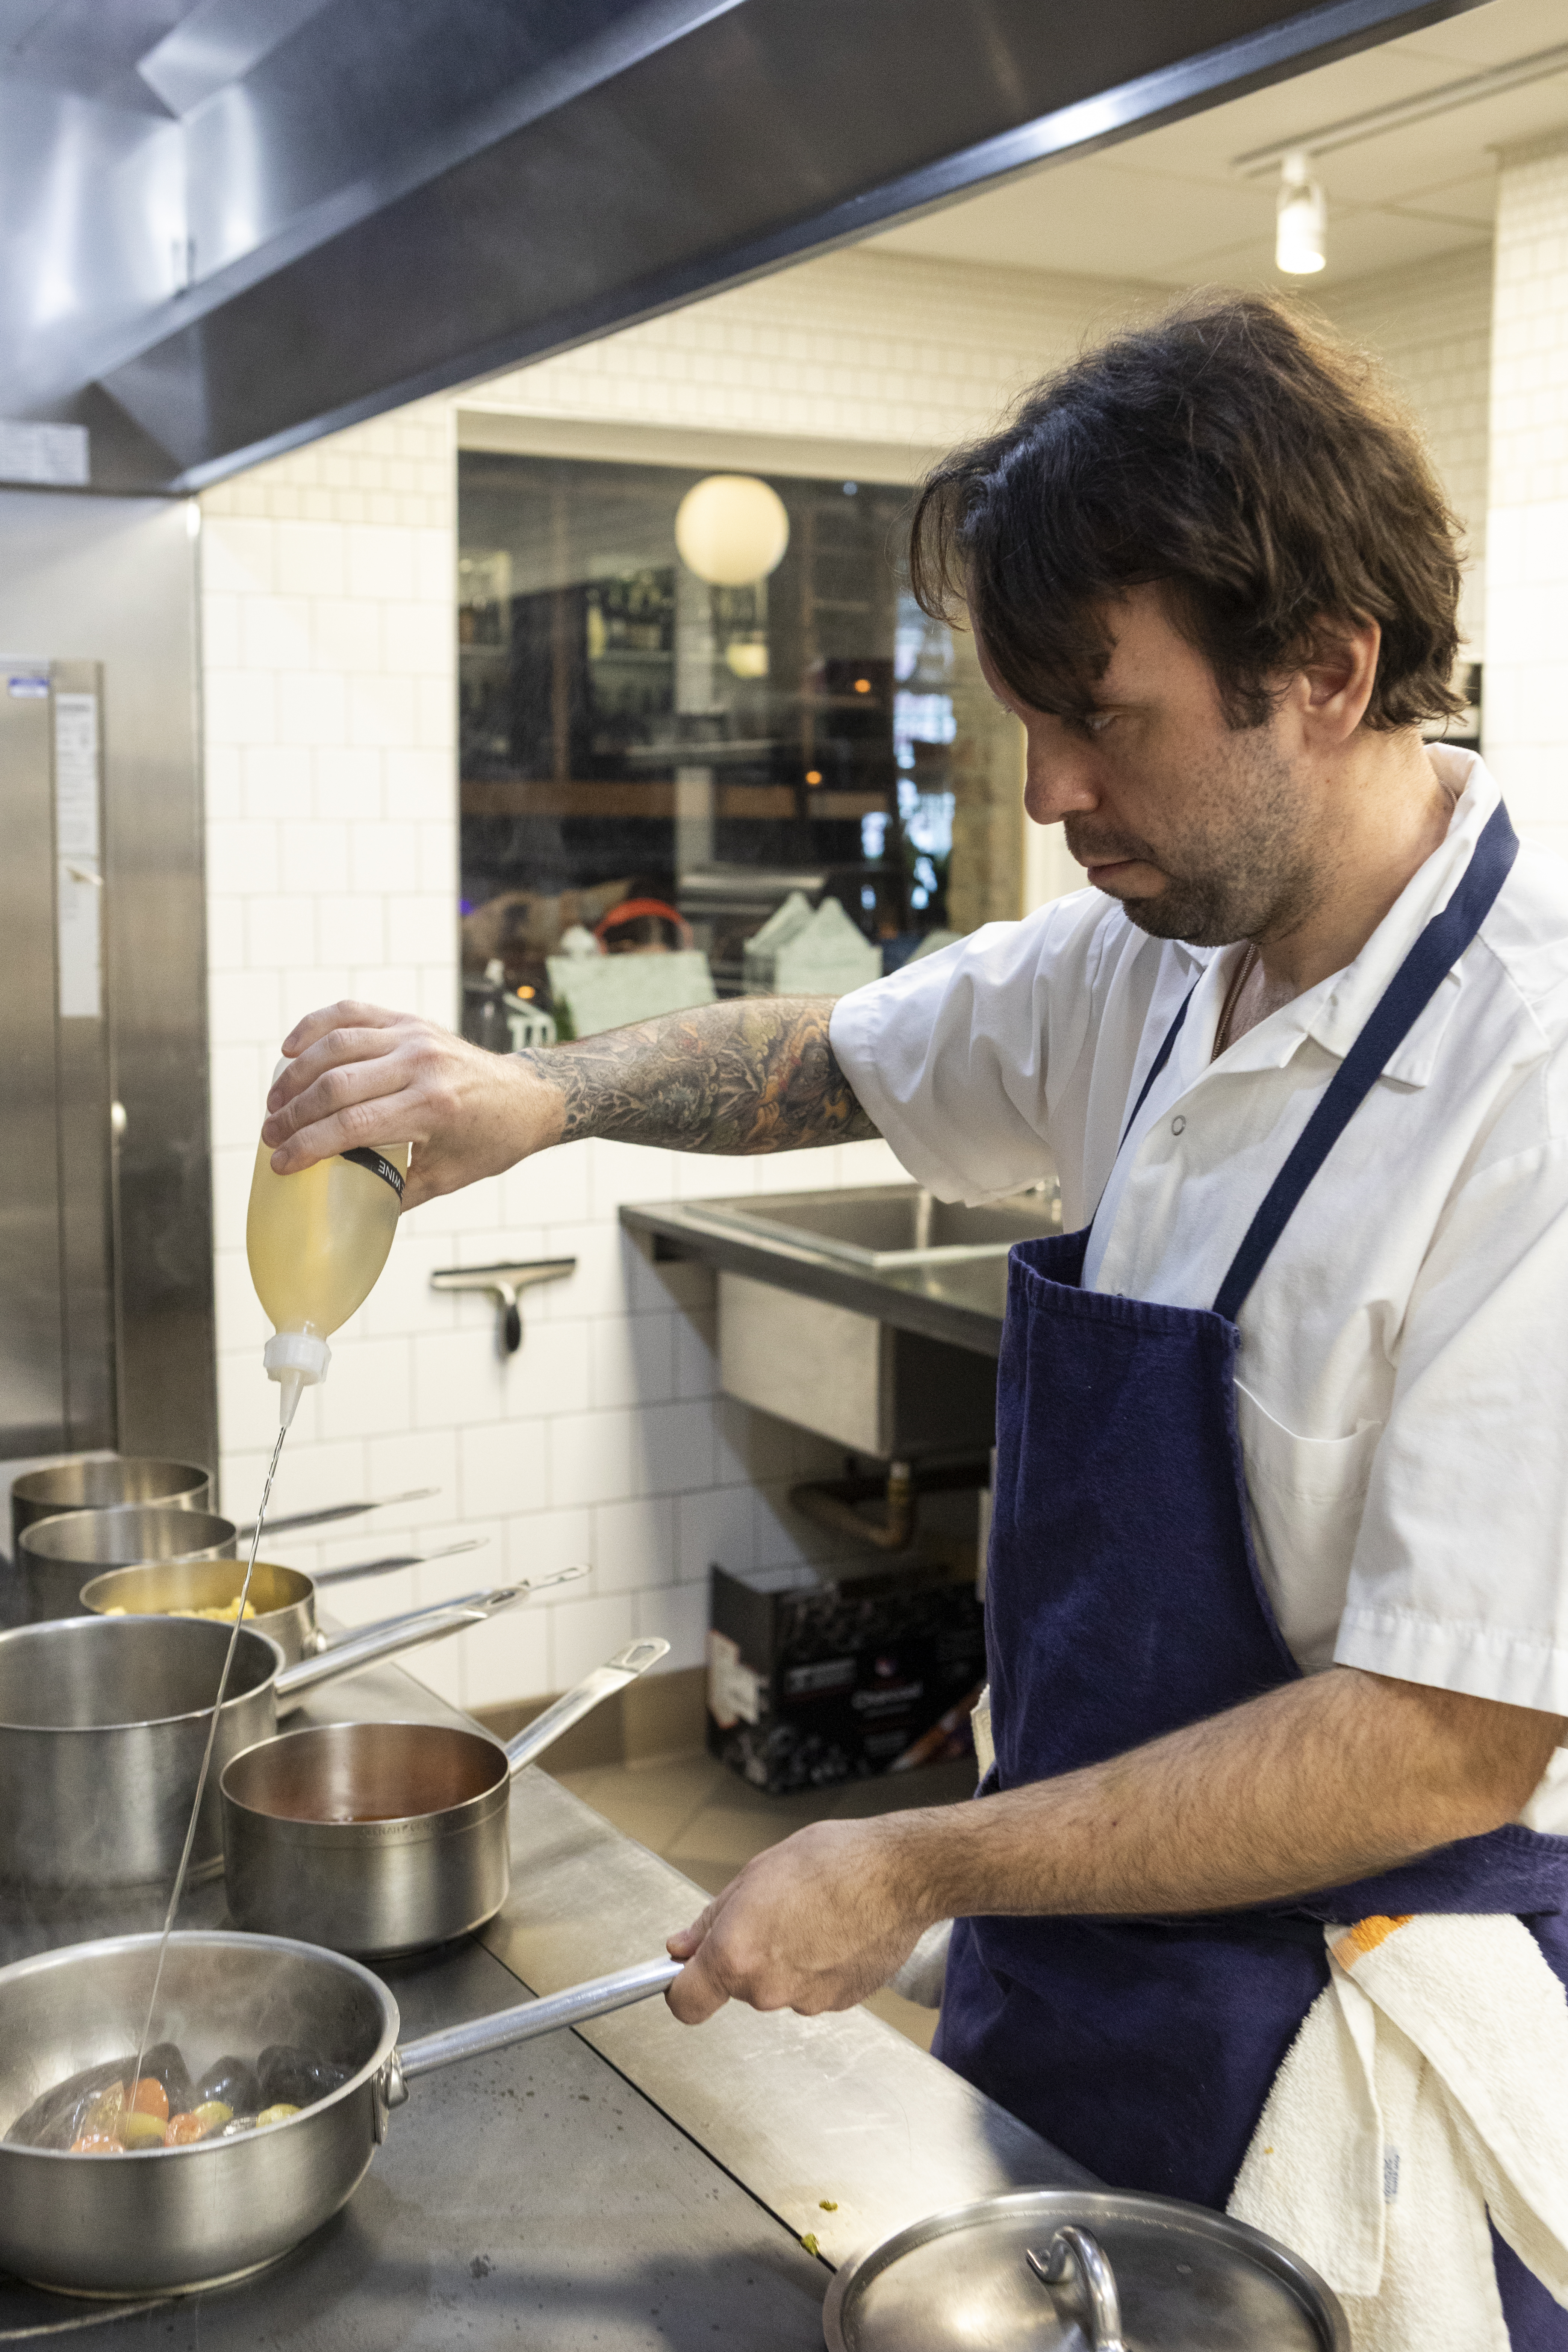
column 1307, row 1495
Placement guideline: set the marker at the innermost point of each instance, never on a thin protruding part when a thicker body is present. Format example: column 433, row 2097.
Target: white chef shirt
column 1403, row 1372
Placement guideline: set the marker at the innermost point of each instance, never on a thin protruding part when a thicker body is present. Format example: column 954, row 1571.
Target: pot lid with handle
column 1069, row 2270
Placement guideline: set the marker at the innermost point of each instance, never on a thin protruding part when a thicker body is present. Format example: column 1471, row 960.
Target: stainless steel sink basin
column 886, row 1226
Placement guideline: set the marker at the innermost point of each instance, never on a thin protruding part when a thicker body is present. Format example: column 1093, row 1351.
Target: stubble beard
column 1242, row 865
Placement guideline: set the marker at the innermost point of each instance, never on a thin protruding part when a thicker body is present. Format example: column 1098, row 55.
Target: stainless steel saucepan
column 55, row 1557
column 76, row 1483
column 104, row 1720
column 380, row 1838
column 282, row 1601
column 172, row 2217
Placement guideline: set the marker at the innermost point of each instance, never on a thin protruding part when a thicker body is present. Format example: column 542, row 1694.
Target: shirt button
column 1178, row 1124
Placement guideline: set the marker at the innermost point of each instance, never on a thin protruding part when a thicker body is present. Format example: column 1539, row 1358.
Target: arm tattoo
column 753, row 1074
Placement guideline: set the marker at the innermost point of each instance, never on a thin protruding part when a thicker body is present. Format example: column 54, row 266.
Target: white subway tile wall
column 332, row 865
column 1431, row 324
column 331, row 869
column 852, row 346
column 1527, row 527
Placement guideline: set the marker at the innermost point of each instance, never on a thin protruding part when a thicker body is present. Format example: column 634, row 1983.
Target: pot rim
column 88, row 1518
column 73, row 1625
column 257, row 1620
column 397, row 1829
column 24, row 1480
column 224, row 1938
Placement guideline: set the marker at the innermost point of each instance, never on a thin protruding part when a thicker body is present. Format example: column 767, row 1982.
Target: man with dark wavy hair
column 1277, row 1599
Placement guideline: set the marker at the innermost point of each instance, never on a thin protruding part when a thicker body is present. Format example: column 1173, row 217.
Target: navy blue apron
column 1123, row 1600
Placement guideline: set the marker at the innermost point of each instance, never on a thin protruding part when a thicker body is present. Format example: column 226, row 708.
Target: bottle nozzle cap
column 297, row 1361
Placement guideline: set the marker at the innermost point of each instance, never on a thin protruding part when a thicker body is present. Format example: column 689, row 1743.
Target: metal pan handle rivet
column 1076, row 2255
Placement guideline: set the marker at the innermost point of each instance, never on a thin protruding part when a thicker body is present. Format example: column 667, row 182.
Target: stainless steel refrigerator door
column 32, row 1338
column 56, row 1294
column 111, row 583
column 83, row 911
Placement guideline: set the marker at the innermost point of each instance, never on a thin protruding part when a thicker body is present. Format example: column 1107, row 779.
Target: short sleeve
column 1459, row 1577
column 961, row 1058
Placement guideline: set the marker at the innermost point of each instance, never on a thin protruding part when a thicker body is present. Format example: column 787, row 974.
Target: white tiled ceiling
column 1169, row 207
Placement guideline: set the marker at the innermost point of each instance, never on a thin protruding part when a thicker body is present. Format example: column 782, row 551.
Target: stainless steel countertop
column 629, row 2187
column 962, row 1303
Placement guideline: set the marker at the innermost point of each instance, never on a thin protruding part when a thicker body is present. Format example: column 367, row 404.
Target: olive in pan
column 165, row 2063
column 234, row 2080
column 292, row 2077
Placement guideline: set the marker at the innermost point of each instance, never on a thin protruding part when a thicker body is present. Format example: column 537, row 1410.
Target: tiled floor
column 701, row 1817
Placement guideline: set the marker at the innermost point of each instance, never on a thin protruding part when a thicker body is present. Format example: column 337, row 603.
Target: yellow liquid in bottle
column 317, row 1241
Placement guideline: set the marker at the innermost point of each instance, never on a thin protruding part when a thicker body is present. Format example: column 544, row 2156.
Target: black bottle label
column 378, row 1167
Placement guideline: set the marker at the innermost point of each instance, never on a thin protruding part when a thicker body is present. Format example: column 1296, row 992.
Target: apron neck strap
column 1401, row 1005
column 1155, row 1066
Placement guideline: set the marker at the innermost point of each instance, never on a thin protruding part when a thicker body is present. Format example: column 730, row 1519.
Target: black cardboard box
column 873, row 1672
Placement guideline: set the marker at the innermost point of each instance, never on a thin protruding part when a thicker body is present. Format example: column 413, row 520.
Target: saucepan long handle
column 384, row 1567
column 333, row 1645
column 573, row 2007
column 582, row 1699
column 407, row 1633
column 336, row 1511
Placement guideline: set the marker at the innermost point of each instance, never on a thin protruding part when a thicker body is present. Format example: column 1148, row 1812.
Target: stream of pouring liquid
column 179, row 1887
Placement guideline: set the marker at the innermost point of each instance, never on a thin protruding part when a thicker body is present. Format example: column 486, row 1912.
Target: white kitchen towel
column 1427, row 2087
column 985, row 1745
column 922, row 1975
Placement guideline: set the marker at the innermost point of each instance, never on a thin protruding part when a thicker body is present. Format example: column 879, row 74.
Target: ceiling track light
column 1301, row 219
column 1492, row 82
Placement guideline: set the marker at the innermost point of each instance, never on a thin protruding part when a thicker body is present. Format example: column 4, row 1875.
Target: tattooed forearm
column 755, row 1073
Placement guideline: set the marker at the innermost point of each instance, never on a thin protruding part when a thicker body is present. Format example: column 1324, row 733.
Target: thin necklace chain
column 1246, row 965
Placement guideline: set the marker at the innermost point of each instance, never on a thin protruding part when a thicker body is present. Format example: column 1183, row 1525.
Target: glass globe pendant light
column 732, row 530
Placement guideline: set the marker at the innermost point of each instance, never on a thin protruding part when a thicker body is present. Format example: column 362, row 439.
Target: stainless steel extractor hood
column 236, row 224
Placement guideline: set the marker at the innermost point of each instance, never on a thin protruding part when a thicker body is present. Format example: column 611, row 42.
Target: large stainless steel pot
column 380, row 1838
column 78, row 1484
column 104, row 1720
column 55, row 1557
column 173, row 2218
column 282, row 1601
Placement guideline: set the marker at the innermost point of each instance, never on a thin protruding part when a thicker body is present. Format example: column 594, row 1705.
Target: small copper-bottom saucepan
column 379, row 1838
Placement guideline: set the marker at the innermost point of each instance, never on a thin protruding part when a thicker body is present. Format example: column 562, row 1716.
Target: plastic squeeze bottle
column 317, row 1241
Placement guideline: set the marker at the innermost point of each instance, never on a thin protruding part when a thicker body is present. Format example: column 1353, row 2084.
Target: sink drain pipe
column 832, row 1504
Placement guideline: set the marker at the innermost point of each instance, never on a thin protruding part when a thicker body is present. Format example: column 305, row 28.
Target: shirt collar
column 1334, row 1012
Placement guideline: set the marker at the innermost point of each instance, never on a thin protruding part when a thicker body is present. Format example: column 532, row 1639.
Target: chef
column 1277, row 1603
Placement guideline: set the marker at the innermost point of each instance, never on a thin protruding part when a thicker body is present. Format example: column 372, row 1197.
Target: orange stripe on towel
column 1366, row 1935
